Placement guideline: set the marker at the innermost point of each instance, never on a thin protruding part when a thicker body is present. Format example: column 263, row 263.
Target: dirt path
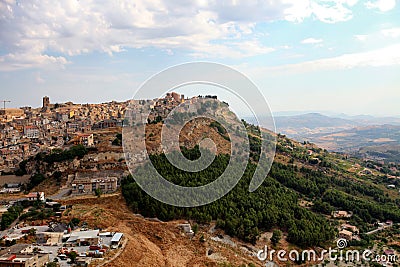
column 126, row 240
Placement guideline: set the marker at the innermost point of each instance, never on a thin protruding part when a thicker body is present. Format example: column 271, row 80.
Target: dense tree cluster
column 314, row 183
column 369, row 211
column 239, row 213
column 22, row 168
column 58, row 155
column 366, row 200
column 10, row 216
column 37, row 213
column 35, row 180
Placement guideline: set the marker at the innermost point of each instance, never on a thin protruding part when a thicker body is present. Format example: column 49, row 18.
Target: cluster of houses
column 10, row 189
column 22, row 255
column 55, row 240
column 349, row 232
column 346, row 230
column 26, row 131
column 52, row 244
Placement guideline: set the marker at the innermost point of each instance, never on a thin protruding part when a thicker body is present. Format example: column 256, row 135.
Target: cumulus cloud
column 16, row 61
column 328, row 11
column 381, row 5
column 40, row 33
column 37, row 33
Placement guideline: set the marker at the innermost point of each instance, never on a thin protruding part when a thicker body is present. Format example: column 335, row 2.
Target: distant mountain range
column 311, row 123
column 371, row 120
column 366, row 136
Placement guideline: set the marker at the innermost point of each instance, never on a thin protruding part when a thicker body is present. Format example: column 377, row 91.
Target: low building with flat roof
column 346, row 234
column 82, row 261
column 342, row 214
column 116, row 240
column 90, row 185
column 84, row 238
column 33, row 196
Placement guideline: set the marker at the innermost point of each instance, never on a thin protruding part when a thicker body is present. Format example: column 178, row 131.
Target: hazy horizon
column 330, row 113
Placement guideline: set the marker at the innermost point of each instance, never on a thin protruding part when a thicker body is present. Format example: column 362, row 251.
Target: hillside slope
column 301, row 172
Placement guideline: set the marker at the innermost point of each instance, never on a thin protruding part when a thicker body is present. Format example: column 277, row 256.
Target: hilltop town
column 27, row 131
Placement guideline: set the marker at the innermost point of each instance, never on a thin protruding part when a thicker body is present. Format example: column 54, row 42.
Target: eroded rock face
column 190, row 136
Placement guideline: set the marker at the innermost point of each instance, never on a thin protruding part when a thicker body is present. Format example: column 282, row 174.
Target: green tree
column 75, row 221
column 202, row 238
column 73, row 255
column 35, row 180
column 10, row 216
column 57, row 175
column 98, row 192
column 276, row 237
column 195, row 228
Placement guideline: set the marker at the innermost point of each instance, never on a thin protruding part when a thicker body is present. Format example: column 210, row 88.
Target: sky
column 338, row 56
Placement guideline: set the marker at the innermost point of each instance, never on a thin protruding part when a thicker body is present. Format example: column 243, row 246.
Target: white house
column 33, row 196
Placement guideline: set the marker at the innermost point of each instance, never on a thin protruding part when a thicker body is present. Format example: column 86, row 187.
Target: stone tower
column 46, row 102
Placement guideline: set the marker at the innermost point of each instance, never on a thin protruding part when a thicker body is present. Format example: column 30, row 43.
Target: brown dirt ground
column 151, row 243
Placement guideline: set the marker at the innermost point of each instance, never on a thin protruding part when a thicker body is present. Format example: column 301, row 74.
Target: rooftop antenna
column 4, row 103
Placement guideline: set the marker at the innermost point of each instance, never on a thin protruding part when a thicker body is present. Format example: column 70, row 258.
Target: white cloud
column 387, row 56
column 388, row 33
column 381, row 5
column 41, row 33
column 39, row 29
column 392, row 32
column 328, row 11
column 17, row 61
column 298, row 10
column 332, row 11
column 312, row 41
column 232, row 50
